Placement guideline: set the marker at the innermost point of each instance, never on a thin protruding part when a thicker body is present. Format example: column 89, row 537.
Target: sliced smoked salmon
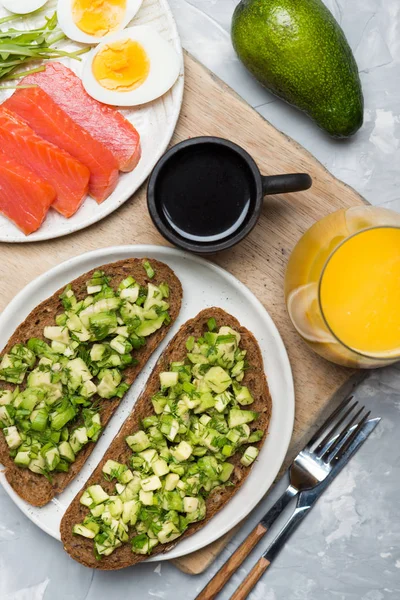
column 69, row 177
column 52, row 123
column 105, row 123
column 25, row 198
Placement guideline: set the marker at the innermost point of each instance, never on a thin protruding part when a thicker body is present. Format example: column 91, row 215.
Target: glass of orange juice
column 342, row 287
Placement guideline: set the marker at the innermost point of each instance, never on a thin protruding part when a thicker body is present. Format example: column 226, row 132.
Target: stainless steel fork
column 310, row 467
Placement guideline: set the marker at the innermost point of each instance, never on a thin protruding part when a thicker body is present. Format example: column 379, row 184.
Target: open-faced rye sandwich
column 67, row 366
column 184, row 451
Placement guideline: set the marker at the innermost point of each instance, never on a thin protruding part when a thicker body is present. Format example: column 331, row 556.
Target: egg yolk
column 122, row 66
column 98, row 17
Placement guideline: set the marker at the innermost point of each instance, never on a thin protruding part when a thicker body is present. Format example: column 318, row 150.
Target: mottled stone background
column 349, row 547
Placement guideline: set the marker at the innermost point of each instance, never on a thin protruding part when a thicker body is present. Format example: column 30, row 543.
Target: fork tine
column 351, row 437
column 328, row 422
column 329, row 439
column 338, row 441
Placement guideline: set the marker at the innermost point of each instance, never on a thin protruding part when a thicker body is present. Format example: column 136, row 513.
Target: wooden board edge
column 199, row 561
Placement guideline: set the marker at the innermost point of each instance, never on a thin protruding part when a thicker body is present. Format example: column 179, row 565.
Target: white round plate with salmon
column 77, row 160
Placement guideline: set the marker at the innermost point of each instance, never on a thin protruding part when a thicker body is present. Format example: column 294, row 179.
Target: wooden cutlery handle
column 247, row 584
column 232, row 564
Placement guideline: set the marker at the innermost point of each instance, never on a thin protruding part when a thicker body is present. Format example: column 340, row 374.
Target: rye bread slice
column 35, row 488
column 80, row 548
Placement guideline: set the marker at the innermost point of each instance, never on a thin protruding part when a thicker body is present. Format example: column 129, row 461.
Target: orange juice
column 360, row 292
column 342, row 287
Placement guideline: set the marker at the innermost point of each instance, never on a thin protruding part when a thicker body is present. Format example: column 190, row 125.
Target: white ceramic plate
column 154, row 121
column 204, row 285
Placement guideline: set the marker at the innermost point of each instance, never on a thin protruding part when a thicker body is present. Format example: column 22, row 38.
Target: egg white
column 66, row 21
column 165, row 65
column 22, row 7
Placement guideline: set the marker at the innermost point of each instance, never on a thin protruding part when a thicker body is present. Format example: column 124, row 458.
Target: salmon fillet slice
column 52, row 123
column 25, row 198
column 104, row 123
column 69, row 177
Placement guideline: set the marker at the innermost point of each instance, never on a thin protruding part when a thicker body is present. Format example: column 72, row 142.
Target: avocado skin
column 297, row 50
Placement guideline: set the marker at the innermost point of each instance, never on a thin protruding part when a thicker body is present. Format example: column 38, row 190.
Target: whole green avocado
column 297, row 50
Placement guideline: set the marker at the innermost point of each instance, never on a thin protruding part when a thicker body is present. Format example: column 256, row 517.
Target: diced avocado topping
column 218, row 379
column 52, row 458
column 149, row 326
column 256, row 436
column 6, row 416
column 84, row 531
column 240, row 417
column 12, row 436
column 171, row 482
column 13, row 366
column 6, row 397
column 109, row 382
column 150, row 484
column 97, row 494
column 66, row 452
column 168, row 379
column 57, row 334
column 149, row 269
column 146, row 498
column 114, row 469
column 22, row 459
column 138, row 442
column 211, row 324
column 242, row 394
column 249, row 456
column 182, row 452
column 81, row 359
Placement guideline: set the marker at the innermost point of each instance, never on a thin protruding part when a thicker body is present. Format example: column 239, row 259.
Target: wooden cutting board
column 211, row 108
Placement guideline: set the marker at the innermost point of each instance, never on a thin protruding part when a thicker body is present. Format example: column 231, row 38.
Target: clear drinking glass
column 342, row 287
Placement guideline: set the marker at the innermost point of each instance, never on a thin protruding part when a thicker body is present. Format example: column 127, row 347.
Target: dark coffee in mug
column 210, row 199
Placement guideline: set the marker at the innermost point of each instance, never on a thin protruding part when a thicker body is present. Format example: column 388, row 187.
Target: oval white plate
column 154, row 121
column 204, row 284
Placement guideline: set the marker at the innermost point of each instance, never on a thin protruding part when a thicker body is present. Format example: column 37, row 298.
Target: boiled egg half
column 91, row 21
column 22, row 7
column 132, row 67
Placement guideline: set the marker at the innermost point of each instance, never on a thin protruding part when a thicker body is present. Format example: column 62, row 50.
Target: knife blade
column 308, row 498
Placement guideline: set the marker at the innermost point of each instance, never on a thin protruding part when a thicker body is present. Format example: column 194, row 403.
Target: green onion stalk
column 19, row 48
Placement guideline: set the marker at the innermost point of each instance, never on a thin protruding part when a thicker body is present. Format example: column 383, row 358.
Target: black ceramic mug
column 206, row 193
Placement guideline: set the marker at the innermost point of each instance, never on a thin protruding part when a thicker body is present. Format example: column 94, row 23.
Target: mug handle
column 284, row 184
